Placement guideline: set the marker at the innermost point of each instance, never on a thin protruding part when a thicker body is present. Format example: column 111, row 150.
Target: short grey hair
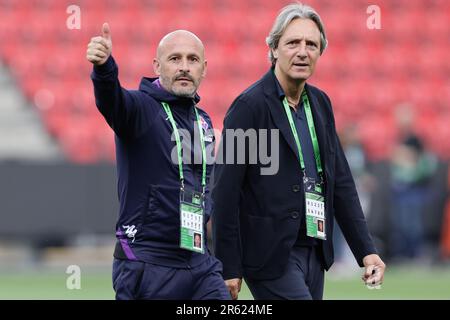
column 285, row 17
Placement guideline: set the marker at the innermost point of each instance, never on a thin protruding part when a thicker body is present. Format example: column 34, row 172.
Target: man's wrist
column 107, row 67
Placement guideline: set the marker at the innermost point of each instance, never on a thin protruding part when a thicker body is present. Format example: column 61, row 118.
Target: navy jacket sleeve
column 123, row 109
column 348, row 211
column 228, row 179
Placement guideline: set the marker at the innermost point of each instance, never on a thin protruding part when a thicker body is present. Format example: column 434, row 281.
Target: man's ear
column 275, row 53
column 205, row 67
column 156, row 67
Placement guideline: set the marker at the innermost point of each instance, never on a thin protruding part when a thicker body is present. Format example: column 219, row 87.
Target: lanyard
column 312, row 132
column 179, row 148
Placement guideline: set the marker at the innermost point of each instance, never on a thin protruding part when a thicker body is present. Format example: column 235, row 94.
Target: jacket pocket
column 259, row 238
column 161, row 219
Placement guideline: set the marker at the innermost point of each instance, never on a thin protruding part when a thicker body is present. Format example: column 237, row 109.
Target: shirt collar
column 280, row 91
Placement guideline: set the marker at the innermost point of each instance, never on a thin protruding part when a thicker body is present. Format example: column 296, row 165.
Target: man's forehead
column 181, row 50
column 182, row 46
column 299, row 28
column 181, row 41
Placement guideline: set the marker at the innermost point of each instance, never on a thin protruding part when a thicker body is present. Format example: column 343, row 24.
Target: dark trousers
column 145, row 281
column 302, row 280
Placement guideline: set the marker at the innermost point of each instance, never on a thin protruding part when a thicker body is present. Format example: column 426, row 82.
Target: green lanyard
column 179, row 148
column 312, row 132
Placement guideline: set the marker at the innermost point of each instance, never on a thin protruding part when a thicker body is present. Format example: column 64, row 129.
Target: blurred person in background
column 162, row 199
column 412, row 168
column 444, row 243
column 259, row 221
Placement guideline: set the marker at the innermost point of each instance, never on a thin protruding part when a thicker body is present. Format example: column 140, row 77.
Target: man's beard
column 182, row 92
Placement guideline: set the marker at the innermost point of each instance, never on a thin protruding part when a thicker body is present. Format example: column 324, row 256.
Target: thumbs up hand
column 100, row 47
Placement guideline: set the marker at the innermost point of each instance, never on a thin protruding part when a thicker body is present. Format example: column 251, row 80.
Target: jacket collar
column 275, row 105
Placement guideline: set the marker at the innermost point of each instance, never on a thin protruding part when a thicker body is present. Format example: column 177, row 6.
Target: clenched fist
column 99, row 49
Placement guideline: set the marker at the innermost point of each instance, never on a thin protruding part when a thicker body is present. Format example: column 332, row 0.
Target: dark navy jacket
column 148, row 228
column 256, row 217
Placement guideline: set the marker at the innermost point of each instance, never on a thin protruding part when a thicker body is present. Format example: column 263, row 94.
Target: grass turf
column 400, row 283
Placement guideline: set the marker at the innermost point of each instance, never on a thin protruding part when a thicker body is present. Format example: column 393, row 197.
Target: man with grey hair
column 276, row 230
column 164, row 203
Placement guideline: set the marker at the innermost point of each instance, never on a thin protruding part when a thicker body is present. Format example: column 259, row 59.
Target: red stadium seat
column 365, row 72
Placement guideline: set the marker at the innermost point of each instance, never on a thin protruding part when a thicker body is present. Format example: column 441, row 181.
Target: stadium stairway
column 22, row 133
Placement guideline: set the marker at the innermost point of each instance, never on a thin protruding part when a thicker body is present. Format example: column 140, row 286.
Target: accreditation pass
column 315, row 215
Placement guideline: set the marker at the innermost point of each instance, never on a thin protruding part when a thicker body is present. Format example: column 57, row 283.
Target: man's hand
column 374, row 270
column 99, row 49
column 234, row 285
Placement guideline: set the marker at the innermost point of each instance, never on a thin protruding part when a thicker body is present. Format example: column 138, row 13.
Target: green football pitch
column 400, row 283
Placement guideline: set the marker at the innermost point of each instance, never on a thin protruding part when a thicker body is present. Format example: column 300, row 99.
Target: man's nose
column 301, row 53
column 184, row 65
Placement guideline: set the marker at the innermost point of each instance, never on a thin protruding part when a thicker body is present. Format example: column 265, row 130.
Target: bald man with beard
column 163, row 172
